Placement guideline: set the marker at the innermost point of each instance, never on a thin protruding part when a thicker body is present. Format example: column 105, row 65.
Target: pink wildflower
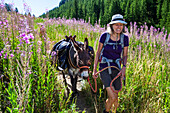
column 22, row 35
column 26, row 38
column 12, row 55
column 39, row 42
column 5, row 56
column 2, row 51
column 27, row 41
column 31, row 36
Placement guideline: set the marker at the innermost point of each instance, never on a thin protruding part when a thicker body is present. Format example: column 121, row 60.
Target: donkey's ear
column 67, row 38
column 74, row 37
column 86, row 44
column 75, row 45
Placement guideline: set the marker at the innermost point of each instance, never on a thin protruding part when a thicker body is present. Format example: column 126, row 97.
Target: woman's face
column 117, row 27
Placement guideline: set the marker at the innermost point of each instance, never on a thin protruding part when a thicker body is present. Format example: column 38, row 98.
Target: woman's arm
column 100, row 46
column 125, row 54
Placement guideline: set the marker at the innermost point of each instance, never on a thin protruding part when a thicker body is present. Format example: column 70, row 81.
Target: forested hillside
column 153, row 12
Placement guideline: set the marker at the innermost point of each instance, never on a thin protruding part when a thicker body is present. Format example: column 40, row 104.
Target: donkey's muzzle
column 84, row 74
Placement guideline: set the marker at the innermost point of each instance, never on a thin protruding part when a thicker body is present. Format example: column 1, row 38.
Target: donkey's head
column 82, row 57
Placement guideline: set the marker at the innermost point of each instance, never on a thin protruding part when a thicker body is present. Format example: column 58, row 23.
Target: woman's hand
column 123, row 71
column 94, row 73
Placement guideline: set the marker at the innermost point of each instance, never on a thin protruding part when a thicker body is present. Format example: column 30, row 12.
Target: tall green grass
column 34, row 86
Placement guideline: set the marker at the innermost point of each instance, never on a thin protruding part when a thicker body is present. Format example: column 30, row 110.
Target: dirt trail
column 81, row 102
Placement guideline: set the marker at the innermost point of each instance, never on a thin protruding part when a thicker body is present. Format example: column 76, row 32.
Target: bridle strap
column 69, row 60
column 87, row 67
column 71, row 64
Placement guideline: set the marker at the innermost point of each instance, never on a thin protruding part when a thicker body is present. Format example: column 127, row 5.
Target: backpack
column 104, row 59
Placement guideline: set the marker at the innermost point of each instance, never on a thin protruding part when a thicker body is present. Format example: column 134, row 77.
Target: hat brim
column 118, row 21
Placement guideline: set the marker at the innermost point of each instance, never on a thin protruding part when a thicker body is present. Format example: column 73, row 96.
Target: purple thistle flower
column 0, row 22
column 0, row 54
column 154, row 45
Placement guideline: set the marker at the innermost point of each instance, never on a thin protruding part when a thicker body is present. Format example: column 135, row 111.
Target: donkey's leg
column 74, row 85
column 65, row 82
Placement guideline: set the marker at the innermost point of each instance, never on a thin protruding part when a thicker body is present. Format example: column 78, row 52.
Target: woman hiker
column 113, row 47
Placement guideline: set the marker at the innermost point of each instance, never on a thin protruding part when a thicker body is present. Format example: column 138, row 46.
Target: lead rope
column 119, row 74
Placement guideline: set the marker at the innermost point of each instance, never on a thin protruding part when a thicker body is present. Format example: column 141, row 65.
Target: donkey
column 78, row 61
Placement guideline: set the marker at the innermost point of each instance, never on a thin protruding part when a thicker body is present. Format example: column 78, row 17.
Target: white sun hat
column 117, row 18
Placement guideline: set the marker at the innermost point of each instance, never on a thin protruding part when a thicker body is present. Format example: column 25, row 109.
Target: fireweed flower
column 29, row 72
column 5, row 56
column 25, row 38
column 22, row 35
column 38, row 50
column 22, row 54
column 31, row 36
column 48, row 51
column 39, row 42
column 27, row 41
column 12, row 55
column 2, row 51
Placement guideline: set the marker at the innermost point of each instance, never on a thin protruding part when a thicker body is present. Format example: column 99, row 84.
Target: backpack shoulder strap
column 107, row 39
column 122, row 40
column 122, row 44
column 105, row 42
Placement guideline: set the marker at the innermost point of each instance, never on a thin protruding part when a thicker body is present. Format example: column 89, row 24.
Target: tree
column 164, row 13
column 8, row 7
column 143, row 10
column 16, row 10
column 62, row 2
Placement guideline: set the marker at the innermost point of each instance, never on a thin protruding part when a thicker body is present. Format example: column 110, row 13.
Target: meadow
column 29, row 83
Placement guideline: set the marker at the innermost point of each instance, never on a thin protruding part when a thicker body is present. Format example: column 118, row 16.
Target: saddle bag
column 61, row 49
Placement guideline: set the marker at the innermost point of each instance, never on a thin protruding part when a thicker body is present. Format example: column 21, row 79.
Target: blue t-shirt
column 111, row 53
